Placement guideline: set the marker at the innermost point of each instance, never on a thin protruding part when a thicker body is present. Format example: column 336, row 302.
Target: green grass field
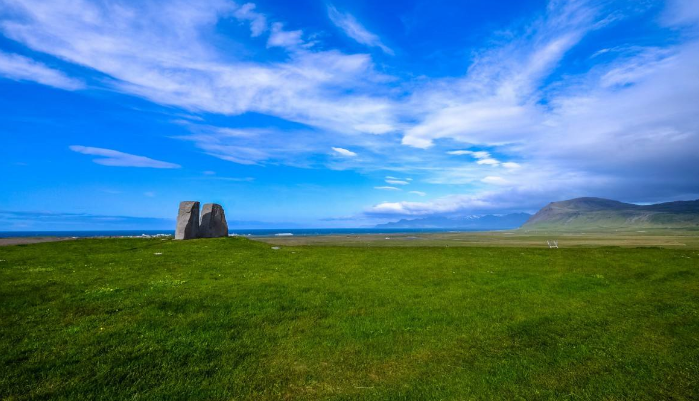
column 234, row 319
column 666, row 238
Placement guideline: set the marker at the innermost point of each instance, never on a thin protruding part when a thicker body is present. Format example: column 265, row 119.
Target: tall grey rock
column 213, row 221
column 187, row 220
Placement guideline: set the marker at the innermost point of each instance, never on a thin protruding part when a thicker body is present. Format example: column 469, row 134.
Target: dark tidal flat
column 234, row 319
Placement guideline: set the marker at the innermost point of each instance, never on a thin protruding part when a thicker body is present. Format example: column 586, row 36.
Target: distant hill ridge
column 487, row 222
column 591, row 213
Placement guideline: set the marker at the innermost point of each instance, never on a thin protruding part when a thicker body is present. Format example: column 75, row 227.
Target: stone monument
column 187, row 220
column 213, row 221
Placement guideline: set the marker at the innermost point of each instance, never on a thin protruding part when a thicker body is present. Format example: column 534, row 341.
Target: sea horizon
column 261, row 232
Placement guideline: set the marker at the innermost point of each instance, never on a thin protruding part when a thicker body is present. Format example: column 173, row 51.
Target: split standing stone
column 213, row 221
column 187, row 220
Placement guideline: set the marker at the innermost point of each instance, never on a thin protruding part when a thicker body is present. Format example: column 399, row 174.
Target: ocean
column 267, row 232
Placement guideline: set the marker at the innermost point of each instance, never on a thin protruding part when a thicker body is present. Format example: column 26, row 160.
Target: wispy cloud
column 115, row 158
column 309, row 86
column 281, row 38
column 234, row 179
column 495, row 102
column 352, row 28
column 20, row 68
column 258, row 22
column 344, row 152
column 419, row 193
column 488, row 201
column 42, row 220
column 482, row 157
column 477, row 154
column 492, row 179
column 387, row 188
column 549, row 132
column 397, row 182
column 682, row 12
column 634, row 101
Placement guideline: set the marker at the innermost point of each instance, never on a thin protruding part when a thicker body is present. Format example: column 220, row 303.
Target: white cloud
column 258, row 22
column 636, row 107
column 281, row 38
column 20, row 68
column 390, row 208
column 238, row 133
column 374, row 128
column 682, row 12
column 254, row 146
column 483, row 202
column 482, row 157
column 232, row 153
column 528, row 189
column 344, row 152
column 397, row 182
column 119, row 159
column 476, row 154
column 234, row 145
column 495, row 103
column 127, row 43
column 352, row 28
column 388, row 188
column 489, row 161
column 420, row 193
column 626, row 126
column 494, row 180
column 459, row 152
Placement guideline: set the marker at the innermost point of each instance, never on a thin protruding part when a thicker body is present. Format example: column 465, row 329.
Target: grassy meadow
column 234, row 319
column 666, row 238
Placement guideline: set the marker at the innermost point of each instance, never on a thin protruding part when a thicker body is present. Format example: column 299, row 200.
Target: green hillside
column 597, row 213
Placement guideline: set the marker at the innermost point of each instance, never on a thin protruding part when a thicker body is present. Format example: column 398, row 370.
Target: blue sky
column 343, row 113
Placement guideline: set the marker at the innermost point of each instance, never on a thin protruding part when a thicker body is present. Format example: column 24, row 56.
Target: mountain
column 598, row 213
column 488, row 222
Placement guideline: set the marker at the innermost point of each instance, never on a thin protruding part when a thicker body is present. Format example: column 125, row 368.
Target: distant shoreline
column 266, row 232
